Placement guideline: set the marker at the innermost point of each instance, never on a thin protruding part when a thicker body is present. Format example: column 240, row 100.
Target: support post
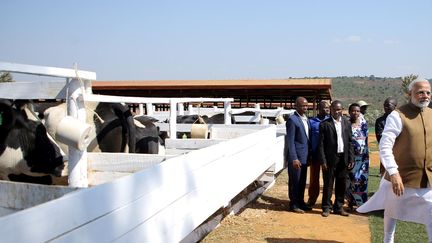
column 141, row 109
column 173, row 119
column 77, row 164
column 180, row 111
column 190, row 109
column 149, row 109
column 227, row 112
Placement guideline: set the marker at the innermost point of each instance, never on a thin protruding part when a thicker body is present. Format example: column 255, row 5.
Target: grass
column 405, row 231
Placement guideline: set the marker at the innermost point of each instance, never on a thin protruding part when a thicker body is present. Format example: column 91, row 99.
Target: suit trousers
column 314, row 185
column 296, row 185
column 336, row 175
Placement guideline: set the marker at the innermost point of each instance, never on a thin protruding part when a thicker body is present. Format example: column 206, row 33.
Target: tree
column 6, row 77
column 405, row 82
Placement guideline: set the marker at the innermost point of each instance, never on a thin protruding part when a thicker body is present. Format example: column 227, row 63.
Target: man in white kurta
column 406, row 194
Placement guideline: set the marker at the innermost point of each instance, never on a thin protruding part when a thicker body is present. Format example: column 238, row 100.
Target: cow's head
column 24, row 144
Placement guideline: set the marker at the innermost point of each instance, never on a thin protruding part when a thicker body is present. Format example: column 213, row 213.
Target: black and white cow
column 25, row 149
column 113, row 126
column 148, row 137
column 190, row 119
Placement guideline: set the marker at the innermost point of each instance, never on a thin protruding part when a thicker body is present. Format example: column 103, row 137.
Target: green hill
column 373, row 90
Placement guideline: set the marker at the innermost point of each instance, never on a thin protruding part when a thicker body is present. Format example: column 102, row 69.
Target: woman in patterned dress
column 358, row 177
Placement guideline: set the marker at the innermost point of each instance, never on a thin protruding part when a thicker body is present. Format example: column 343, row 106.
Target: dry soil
column 267, row 219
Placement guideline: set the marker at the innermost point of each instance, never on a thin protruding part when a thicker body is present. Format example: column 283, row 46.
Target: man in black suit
column 390, row 105
column 336, row 155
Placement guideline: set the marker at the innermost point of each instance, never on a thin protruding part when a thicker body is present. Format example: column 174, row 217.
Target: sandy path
column 267, row 220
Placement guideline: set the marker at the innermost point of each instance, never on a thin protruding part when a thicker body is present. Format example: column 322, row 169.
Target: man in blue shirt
column 315, row 165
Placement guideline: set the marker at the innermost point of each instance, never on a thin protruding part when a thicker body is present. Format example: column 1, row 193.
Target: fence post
column 149, row 109
column 191, row 109
column 140, row 109
column 227, row 112
column 180, row 109
column 77, row 164
column 173, row 119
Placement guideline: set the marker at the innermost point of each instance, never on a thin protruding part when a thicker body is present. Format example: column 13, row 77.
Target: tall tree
column 405, row 82
column 6, row 77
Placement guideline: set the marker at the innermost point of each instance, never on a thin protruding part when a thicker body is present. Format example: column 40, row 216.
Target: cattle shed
column 269, row 93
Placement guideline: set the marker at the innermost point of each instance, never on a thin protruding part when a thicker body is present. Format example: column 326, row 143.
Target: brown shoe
column 325, row 213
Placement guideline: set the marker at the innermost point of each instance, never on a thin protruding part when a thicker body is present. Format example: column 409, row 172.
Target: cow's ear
column 7, row 116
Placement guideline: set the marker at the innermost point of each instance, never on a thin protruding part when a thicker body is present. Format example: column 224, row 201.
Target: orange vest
column 413, row 147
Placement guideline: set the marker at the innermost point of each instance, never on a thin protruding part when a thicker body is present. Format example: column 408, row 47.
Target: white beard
column 422, row 105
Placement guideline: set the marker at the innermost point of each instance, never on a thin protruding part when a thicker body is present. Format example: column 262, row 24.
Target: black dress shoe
column 297, row 210
column 342, row 213
column 306, row 207
column 325, row 213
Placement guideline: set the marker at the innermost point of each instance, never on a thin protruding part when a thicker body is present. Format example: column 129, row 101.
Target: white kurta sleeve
column 392, row 129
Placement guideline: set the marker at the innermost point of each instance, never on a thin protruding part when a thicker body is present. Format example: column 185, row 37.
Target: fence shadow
column 298, row 240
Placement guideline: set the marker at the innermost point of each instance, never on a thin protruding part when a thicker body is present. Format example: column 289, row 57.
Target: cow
column 190, row 119
column 25, row 148
column 114, row 128
column 147, row 135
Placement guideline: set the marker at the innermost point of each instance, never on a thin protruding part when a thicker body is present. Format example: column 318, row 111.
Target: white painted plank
column 194, row 208
column 32, row 90
column 46, row 71
column 209, row 226
column 165, row 182
column 228, row 133
column 122, row 162
column 209, row 194
column 6, row 211
column 97, row 178
column 16, row 195
column 191, row 143
column 176, row 152
column 255, row 119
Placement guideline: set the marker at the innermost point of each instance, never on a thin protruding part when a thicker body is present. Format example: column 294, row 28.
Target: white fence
column 144, row 198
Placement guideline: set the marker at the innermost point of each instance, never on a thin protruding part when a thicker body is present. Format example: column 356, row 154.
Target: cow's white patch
column 138, row 124
column 12, row 162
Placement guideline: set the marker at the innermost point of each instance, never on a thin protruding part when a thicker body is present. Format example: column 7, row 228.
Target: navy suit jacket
column 296, row 141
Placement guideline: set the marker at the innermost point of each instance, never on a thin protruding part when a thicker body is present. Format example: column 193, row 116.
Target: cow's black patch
column 18, row 132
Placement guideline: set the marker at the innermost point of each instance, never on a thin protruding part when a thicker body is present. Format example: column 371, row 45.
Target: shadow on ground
column 298, row 240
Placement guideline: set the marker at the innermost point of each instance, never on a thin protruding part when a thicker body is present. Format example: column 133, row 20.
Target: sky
column 224, row 39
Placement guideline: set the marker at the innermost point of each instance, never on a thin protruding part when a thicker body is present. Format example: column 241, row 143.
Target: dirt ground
column 267, row 220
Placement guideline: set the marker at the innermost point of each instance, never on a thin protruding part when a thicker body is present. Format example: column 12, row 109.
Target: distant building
column 268, row 93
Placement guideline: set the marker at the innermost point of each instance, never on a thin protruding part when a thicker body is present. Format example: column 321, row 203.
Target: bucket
column 199, row 130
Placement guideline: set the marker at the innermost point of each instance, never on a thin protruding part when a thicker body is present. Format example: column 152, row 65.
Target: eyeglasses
column 423, row 93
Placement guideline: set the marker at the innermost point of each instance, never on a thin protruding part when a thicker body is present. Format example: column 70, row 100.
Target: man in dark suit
column 336, row 155
column 297, row 146
column 390, row 105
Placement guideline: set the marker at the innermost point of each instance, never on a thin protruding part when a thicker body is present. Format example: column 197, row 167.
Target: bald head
column 301, row 105
column 389, row 105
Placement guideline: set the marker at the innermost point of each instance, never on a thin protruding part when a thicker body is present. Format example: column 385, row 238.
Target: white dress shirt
column 305, row 123
column 392, row 129
column 415, row 205
column 338, row 126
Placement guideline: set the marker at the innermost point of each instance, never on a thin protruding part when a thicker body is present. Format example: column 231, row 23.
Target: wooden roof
column 270, row 90
column 211, row 84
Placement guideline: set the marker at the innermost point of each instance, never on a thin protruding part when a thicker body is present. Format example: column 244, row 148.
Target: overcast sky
column 160, row 40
